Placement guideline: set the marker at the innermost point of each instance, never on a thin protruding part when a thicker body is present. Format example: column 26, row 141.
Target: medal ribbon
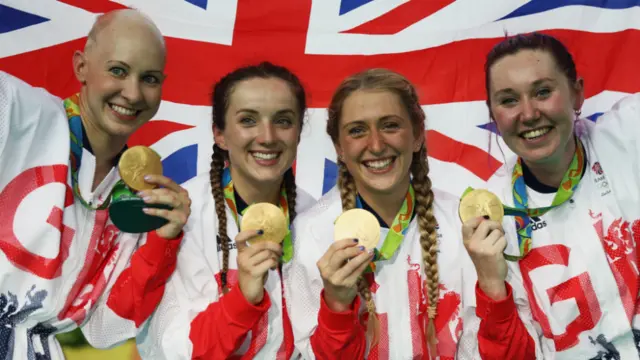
column 521, row 210
column 396, row 232
column 75, row 156
column 229, row 196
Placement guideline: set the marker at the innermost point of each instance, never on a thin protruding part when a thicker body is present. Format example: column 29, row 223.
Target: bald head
column 128, row 22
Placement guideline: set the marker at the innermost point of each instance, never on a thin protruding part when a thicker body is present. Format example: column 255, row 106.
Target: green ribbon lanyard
column 227, row 183
column 397, row 231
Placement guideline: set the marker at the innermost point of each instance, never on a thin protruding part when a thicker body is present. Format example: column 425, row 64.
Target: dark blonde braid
column 428, row 236
column 348, row 194
column 215, row 176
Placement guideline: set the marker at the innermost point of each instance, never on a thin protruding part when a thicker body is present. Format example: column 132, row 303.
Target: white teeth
column 265, row 156
column 123, row 110
column 535, row 133
column 378, row 164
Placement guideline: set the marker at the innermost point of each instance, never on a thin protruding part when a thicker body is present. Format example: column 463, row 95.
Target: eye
column 118, row 71
column 247, row 121
column 543, row 92
column 392, row 125
column 151, row 79
column 284, row 121
column 356, row 131
column 508, row 101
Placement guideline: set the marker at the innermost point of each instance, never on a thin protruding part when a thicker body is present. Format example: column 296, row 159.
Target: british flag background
column 440, row 45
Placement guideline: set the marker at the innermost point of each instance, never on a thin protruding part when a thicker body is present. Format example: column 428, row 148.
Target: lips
column 124, row 113
column 535, row 133
column 379, row 164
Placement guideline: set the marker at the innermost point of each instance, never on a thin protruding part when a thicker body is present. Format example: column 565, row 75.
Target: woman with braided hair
column 225, row 299
column 403, row 299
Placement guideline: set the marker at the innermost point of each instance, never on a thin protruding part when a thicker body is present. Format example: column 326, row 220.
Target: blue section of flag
column 490, row 126
column 594, row 117
column 330, row 175
column 182, row 165
column 199, row 3
column 12, row 19
column 348, row 5
column 538, row 6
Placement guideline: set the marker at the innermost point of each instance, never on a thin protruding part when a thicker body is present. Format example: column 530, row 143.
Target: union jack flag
column 440, row 45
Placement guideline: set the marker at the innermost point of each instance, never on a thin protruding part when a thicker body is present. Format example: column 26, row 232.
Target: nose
column 376, row 142
column 132, row 91
column 267, row 134
column 529, row 110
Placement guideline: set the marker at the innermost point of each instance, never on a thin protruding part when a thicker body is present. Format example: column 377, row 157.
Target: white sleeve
column 302, row 286
column 103, row 328
column 189, row 291
column 134, row 289
column 616, row 139
column 27, row 113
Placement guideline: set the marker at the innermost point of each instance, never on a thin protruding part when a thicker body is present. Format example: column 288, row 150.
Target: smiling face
column 376, row 141
column 533, row 104
column 262, row 130
column 121, row 71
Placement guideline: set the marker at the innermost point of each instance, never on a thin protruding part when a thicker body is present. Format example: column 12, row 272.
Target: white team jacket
column 400, row 296
column 577, row 291
column 58, row 260
column 195, row 285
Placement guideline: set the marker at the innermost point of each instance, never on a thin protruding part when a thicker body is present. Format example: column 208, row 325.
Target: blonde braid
column 215, row 175
column 428, row 236
column 348, row 196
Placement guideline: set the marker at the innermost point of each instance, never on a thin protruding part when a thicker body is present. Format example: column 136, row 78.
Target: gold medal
column 480, row 202
column 267, row 217
column 358, row 224
column 135, row 163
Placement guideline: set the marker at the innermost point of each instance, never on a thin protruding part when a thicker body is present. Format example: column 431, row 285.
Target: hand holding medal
column 159, row 204
column 356, row 233
column 481, row 213
column 262, row 229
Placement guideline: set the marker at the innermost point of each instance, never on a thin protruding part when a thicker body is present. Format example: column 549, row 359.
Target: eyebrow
column 118, row 62
column 279, row 112
column 383, row 118
column 533, row 84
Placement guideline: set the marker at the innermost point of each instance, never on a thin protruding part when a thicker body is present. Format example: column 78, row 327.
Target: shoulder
column 321, row 215
column 304, row 200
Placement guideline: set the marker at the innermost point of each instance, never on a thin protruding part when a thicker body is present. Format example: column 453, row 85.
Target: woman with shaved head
column 62, row 257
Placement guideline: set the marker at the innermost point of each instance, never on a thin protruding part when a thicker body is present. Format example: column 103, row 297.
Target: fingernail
column 140, row 193
column 486, row 217
column 145, row 210
column 147, row 177
column 260, row 232
column 355, row 240
column 371, row 252
column 146, row 198
column 361, row 248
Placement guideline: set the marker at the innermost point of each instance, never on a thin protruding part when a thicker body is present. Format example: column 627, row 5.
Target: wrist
column 494, row 289
column 336, row 305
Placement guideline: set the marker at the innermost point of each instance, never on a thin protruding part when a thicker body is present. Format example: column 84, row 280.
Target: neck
column 386, row 205
column 551, row 173
column 256, row 192
column 105, row 147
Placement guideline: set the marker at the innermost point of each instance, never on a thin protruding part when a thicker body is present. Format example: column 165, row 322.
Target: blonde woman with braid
column 404, row 299
column 225, row 298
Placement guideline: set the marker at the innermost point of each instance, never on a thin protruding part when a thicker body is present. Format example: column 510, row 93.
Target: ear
column 338, row 150
column 80, row 66
column 419, row 141
column 218, row 138
column 578, row 89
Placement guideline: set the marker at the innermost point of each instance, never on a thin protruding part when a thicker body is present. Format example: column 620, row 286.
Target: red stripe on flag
column 95, row 6
column 476, row 160
column 400, row 18
column 276, row 31
column 153, row 131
